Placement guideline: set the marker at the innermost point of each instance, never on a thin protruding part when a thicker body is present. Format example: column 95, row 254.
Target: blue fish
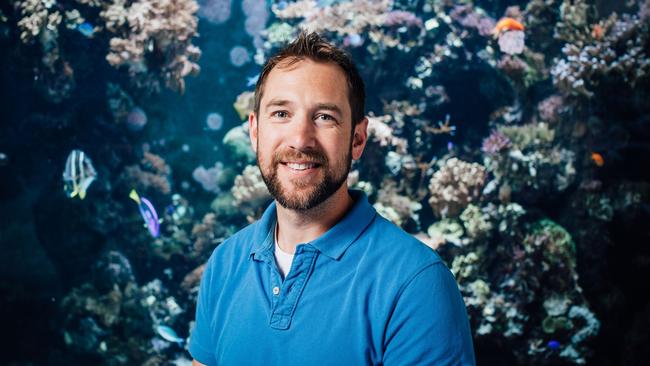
column 450, row 145
column 86, row 29
column 252, row 80
column 168, row 334
column 553, row 344
column 148, row 213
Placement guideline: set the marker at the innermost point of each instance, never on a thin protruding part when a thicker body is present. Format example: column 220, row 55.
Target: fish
column 506, row 24
column 78, row 174
column 450, row 145
column 168, row 334
column 86, row 29
column 252, row 80
column 597, row 32
column 148, row 213
column 553, row 344
column 597, row 159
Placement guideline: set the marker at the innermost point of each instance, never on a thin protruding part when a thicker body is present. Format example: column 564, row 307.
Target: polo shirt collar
column 333, row 242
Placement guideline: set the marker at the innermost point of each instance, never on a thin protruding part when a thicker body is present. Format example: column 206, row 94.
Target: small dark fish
column 148, row 213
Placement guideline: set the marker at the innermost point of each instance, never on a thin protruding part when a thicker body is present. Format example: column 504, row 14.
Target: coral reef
column 395, row 207
column 617, row 51
column 250, row 192
column 113, row 314
column 152, row 173
column 209, row 178
column 455, row 185
column 156, row 36
column 498, row 128
column 526, row 158
column 239, row 143
column 151, row 38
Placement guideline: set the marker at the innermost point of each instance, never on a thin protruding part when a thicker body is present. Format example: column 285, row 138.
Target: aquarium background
column 510, row 136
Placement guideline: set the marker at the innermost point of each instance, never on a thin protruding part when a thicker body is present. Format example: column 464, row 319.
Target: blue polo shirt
column 363, row 293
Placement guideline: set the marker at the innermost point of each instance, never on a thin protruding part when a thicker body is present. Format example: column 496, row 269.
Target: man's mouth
column 301, row 165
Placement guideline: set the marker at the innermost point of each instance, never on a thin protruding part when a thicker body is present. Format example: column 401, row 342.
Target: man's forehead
column 324, row 84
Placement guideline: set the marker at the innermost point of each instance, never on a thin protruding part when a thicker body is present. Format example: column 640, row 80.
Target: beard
column 306, row 195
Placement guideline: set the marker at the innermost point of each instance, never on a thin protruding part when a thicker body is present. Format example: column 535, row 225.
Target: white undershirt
column 282, row 258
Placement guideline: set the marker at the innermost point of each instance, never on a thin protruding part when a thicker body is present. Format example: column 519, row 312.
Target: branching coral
column 156, row 44
column 204, row 236
column 395, row 207
column 454, row 186
column 531, row 296
column 152, row 172
column 526, row 158
column 619, row 51
column 345, row 18
column 380, row 132
column 250, row 191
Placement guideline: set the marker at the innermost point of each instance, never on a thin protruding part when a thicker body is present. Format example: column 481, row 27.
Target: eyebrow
column 277, row 103
column 329, row 107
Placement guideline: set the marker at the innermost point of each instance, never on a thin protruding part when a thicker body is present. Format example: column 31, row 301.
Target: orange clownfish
column 506, row 24
column 597, row 158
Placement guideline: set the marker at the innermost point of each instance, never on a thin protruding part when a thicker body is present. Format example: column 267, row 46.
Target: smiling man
column 321, row 278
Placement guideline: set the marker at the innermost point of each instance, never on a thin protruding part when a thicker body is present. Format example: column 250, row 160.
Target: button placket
column 292, row 288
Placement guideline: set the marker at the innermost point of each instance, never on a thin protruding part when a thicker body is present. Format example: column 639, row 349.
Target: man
column 321, row 279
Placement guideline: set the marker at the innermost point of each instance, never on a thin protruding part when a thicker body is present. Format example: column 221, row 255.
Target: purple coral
column 496, row 142
column 401, row 17
column 550, row 108
column 466, row 16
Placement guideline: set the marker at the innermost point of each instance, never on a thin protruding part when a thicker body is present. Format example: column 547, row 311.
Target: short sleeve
column 429, row 324
column 202, row 345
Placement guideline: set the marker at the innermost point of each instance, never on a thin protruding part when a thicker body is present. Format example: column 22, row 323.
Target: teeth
column 300, row 166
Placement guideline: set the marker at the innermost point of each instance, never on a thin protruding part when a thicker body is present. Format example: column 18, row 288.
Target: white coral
column 454, row 186
column 249, row 188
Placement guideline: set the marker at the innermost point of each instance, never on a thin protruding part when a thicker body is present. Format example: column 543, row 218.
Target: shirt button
column 276, row 290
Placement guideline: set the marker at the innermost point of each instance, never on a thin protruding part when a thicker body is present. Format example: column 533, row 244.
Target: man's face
column 302, row 136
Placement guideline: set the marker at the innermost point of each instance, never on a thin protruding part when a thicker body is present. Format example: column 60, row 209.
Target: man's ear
column 359, row 138
column 252, row 130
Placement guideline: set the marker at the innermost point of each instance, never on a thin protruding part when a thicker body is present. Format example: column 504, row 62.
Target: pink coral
column 496, row 142
column 550, row 108
column 152, row 172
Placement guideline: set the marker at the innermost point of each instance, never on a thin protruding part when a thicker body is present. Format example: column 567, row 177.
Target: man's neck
column 296, row 227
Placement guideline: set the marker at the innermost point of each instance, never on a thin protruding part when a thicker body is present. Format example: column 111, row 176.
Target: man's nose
column 302, row 133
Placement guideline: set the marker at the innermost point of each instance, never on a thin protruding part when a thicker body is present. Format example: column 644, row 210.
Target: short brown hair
column 314, row 47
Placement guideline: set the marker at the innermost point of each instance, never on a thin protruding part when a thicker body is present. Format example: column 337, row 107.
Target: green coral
column 529, row 135
column 477, row 223
column 448, row 229
column 554, row 241
column 238, row 141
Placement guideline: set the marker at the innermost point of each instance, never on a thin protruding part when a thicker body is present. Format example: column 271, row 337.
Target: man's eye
column 325, row 117
column 280, row 114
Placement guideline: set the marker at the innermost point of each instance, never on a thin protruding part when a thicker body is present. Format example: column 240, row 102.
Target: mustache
column 311, row 156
